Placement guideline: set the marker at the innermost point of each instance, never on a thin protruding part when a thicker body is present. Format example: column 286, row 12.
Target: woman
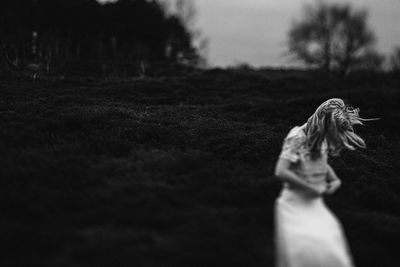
column 307, row 233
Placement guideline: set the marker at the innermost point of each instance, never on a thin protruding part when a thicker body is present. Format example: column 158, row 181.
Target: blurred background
column 201, row 33
column 145, row 132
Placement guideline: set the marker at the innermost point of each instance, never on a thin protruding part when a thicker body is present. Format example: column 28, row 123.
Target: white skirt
column 307, row 234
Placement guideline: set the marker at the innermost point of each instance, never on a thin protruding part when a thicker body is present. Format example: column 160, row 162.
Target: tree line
column 50, row 31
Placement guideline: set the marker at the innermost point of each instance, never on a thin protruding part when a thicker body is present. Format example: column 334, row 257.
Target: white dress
column 307, row 234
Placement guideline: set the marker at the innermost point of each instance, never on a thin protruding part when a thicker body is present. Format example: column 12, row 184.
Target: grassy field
column 178, row 171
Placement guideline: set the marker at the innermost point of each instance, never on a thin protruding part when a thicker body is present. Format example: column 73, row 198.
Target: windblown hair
column 333, row 120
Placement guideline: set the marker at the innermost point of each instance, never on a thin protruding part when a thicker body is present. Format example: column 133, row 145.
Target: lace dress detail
column 293, row 145
column 296, row 151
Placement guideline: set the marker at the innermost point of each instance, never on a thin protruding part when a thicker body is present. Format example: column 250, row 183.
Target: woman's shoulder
column 296, row 141
column 293, row 144
column 296, row 132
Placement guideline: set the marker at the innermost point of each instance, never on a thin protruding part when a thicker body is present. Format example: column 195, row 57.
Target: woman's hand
column 285, row 174
column 332, row 187
column 333, row 182
column 315, row 191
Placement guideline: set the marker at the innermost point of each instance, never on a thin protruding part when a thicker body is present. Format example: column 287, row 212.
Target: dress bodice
column 296, row 151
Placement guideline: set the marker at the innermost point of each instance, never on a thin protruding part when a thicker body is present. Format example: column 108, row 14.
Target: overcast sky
column 254, row 31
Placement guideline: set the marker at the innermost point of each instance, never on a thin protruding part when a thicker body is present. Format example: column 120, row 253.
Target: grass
column 177, row 171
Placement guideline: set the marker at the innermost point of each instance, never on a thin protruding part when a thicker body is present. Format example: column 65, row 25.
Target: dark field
column 178, row 171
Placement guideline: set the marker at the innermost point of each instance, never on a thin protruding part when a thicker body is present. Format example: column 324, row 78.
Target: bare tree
column 331, row 36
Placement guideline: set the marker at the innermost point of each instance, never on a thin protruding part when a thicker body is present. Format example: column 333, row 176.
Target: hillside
column 178, row 171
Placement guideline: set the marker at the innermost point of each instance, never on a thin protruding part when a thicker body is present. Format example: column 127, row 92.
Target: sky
column 254, row 31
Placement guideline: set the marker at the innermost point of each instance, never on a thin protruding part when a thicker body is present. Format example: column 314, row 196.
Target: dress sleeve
column 291, row 147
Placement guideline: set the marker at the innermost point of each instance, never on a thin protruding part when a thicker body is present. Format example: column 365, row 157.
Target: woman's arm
column 283, row 172
column 333, row 182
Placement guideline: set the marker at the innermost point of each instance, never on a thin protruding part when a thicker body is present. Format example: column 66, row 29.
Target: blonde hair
column 333, row 121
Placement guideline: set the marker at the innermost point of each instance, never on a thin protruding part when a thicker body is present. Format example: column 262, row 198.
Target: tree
column 395, row 60
column 195, row 51
column 333, row 37
column 122, row 32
